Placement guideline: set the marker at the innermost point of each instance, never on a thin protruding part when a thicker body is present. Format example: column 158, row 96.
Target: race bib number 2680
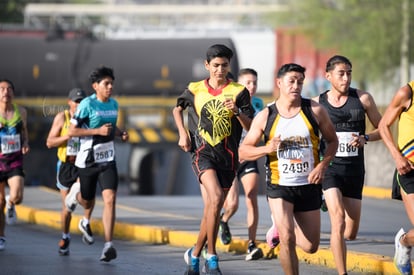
column 344, row 147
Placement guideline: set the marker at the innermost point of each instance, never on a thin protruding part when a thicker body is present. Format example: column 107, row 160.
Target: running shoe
column 211, row 266
column 11, row 216
column 87, row 237
column 224, row 230
column 193, row 264
column 2, row 243
column 64, row 246
column 253, row 252
column 108, row 253
column 272, row 236
column 402, row 257
column 70, row 201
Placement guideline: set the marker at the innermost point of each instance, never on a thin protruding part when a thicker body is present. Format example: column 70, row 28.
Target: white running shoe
column 70, row 201
column 2, row 243
column 402, row 257
column 11, row 216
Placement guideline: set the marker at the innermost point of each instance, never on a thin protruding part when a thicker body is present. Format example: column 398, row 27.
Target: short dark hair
column 247, row 71
column 8, row 81
column 218, row 50
column 100, row 73
column 290, row 67
column 335, row 60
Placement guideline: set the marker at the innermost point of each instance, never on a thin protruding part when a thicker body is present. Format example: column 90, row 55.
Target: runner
column 248, row 176
column 67, row 172
column 401, row 107
column 218, row 110
column 291, row 127
column 14, row 144
column 95, row 123
column 344, row 179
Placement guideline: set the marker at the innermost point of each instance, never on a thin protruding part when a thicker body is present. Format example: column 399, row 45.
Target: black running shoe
column 64, row 246
column 253, row 252
column 87, row 237
column 224, row 230
column 108, row 253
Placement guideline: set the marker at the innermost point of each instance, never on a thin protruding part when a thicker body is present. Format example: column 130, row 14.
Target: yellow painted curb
column 376, row 192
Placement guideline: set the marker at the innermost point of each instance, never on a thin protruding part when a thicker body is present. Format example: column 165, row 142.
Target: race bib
column 294, row 162
column 104, row 152
column 344, row 147
column 72, row 147
column 10, row 144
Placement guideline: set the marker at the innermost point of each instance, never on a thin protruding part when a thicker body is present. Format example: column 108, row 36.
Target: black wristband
column 366, row 138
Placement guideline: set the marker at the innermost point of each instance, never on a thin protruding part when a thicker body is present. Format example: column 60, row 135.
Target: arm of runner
column 249, row 150
column 104, row 130
column 54, row 139
column 328, row 133
column 184, row 140
column 25, row 133
column 373, row 114
column 399, row 103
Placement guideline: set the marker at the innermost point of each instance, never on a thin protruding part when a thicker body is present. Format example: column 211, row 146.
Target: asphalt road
column 170, row 223
column 32, row 249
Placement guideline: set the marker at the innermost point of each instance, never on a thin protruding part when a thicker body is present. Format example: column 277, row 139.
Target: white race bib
column 10, row 144
column 104, row 152
column 294, row 162
column 344, row 147
column 73, row 146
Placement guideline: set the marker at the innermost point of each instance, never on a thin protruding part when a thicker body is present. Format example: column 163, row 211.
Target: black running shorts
column 247, row 167
column 105, row 175
column 350, row 186
column 305, row 197
column 406, row 182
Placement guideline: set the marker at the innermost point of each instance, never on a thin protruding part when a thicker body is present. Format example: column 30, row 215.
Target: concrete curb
column 357, row 261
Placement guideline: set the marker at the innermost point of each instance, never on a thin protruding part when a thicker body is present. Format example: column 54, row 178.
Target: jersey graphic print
column 215, row 122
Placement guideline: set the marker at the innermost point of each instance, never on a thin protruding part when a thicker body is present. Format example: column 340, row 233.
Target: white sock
column 85, row 221
column 209, row 256
column 108, row 244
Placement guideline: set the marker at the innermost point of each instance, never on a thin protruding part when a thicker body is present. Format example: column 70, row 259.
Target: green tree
column 12, row 11
column 369, row 32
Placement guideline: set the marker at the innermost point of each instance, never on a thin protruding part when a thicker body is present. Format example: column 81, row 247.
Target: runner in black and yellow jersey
column 402, row 151
column 67, row 172
column 291, row 127
column 218, row 110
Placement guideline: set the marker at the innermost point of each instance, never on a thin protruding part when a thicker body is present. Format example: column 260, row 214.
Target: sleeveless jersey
column 71, row 147
column 214, row 130
column 405, row 129
column 298, row 152
column 347, row 119
column 92, row 113
column 11, row 141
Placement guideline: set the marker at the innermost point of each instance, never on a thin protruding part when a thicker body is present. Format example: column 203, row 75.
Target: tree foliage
column 366, row 31
column 12, row 11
